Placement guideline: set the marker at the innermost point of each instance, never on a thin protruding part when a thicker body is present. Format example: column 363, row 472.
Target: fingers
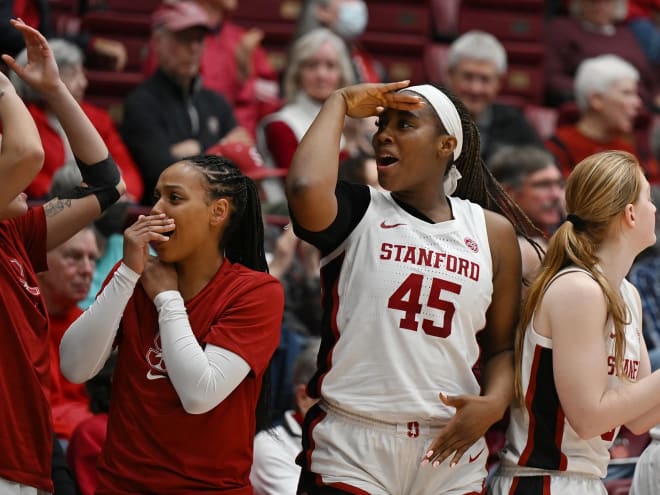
column 151, row 227
column 395, row 86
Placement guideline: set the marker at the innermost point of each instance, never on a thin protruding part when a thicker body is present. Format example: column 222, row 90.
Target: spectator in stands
column 69, row 60
column 274, row 470
column 608, row 102
column 591, row 30
column 319, row 65
column 235, row 65
column 37, row 14
column 476, row 64
column 348, row 20
column 170, row 116
column 644, row 21
column 529, row 175
column 645, row 275
column 360, row 169
column 64, row 285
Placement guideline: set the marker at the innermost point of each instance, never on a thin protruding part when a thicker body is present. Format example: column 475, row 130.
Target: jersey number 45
column 407, row 298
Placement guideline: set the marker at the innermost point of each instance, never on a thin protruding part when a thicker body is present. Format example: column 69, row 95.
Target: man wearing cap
column 170, row 115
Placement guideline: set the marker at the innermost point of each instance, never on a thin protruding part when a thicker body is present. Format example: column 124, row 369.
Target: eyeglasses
column 547, row 184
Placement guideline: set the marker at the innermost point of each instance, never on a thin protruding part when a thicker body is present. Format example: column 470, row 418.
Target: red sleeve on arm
column 281, row 142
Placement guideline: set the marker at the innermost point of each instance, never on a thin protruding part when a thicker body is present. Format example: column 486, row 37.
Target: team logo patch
column 471, row 244
column 413, row 429
column 157, row 368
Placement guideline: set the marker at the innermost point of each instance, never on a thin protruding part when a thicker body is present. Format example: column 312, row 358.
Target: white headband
column 445, row 110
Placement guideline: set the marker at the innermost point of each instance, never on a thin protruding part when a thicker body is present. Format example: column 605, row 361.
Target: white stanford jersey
column 549, row 442
column 403, row 301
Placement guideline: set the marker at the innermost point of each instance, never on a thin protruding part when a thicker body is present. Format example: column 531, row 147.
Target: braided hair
column 478, row 183
column 243, row 238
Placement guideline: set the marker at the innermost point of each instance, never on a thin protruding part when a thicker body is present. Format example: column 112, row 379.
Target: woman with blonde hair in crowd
column 318, row 65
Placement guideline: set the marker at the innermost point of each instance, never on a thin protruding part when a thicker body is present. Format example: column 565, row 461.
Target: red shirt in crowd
column 69, row 401
column 55, row 154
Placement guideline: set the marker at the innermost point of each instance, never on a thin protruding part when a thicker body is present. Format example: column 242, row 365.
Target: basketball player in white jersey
column 419, row 286
column 582, row 369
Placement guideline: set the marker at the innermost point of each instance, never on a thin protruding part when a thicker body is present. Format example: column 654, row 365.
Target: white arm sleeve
column 87, row 343
column 202, row 378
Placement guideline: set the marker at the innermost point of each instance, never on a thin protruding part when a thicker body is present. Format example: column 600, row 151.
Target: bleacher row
column 410, row 38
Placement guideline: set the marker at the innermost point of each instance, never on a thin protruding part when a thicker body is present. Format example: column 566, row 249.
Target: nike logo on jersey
column 472, row 459
column 383, row 225
column 154, row 376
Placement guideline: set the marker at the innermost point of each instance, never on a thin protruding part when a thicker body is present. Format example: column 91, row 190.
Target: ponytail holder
column 451, row 180
column 578, row 223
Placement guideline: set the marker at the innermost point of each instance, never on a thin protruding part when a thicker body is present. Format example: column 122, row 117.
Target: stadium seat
column 399, row 18
column 444, row 19
column 101, row 23
column 256, row 12
column 514, row 25
column 435, row 62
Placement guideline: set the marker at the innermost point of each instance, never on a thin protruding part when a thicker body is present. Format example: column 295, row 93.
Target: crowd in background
column 209, row 89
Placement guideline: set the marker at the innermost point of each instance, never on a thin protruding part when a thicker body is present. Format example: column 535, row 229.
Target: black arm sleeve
column 352, row 203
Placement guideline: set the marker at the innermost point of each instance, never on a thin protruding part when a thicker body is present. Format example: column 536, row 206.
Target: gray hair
column 305, row 365
column 307, row 21
column 66, row 55
column 304, row 48
column 511, row 165
column 477, row 45
column 598, row 74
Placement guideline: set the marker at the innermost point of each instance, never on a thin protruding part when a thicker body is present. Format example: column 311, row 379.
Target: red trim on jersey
column 514, row 486
column 563, row 461
column 312, row 444
column 546, row 485
column 531, row 391
column 333, row 325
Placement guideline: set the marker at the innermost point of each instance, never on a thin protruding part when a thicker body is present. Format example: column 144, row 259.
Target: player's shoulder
column 572, row 285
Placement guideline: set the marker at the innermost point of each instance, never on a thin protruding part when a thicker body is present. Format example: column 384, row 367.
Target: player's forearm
column 87, row 343
column 498, row 382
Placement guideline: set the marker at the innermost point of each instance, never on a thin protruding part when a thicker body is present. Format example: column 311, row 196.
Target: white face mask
column 352, row 19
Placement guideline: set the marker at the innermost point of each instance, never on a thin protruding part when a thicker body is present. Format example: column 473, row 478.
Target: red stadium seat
column 536, row 5
column 399, row 18
column 111, row 22
column 444, row 17
column 145, row 6
column 505, row 25
column 256, row 12
column 435, row 62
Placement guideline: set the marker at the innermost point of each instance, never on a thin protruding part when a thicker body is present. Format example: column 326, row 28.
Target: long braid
column 243, row 238
column 478, row 183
